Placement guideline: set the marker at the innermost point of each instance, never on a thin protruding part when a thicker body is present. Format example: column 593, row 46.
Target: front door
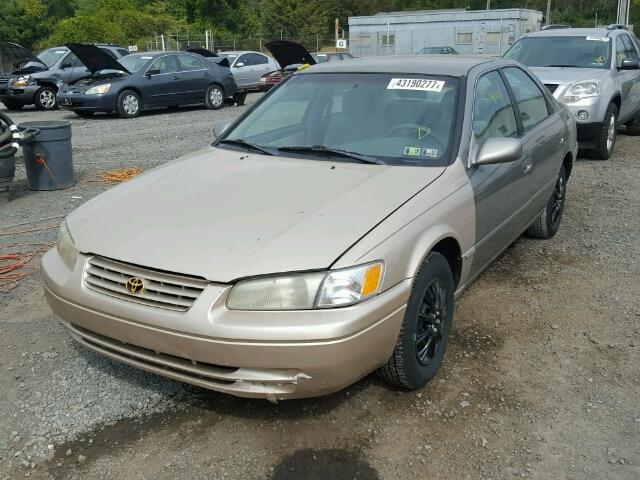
column 242, row 71
column 498, row 188
column 161, row 85
column 543, row 139
column 625, row 80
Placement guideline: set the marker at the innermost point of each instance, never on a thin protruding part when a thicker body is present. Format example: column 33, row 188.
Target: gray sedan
column 247, row 68
column 326, row 232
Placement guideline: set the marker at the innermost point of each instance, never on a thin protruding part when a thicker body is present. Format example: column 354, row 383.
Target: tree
column 294, row 18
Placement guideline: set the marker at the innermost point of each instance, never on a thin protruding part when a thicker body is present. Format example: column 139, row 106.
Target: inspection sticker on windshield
column 598, row 39
column 423, row 84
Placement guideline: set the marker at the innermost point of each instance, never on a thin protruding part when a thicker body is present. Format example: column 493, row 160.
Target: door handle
column 176, row 77
column 527, row 166
column 206, row 74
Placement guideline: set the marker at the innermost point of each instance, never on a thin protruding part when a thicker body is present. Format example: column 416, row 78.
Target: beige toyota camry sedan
column 324, row 234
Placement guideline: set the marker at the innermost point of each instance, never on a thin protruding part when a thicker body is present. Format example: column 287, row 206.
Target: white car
column 247, row 67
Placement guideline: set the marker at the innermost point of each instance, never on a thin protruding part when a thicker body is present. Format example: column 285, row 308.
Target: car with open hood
column 291, row 57
column 595, row 72
column 12, row 57
column 38, row 80
column 324, row 234
column 147, row 80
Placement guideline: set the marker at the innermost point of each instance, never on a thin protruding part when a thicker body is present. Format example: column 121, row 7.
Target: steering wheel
column 413, row 126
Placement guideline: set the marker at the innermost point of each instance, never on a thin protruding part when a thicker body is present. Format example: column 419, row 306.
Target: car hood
column 566, row 75
column 94, row 58
column 14, row 57
column 288, row 53
column 225, row 215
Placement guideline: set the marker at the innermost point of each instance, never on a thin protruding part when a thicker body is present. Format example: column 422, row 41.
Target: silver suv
column 595, row 72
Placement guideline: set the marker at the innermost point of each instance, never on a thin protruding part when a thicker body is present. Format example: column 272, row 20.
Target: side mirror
column 239, row 64
column 499, row 150
column 219, row 128
column 150, row 73
column 66, row 65
column 629, row 64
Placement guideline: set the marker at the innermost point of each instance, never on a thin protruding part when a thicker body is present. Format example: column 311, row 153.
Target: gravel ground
column 541, row 380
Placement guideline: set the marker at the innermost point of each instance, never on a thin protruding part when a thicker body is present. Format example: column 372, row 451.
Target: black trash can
column 47, row 155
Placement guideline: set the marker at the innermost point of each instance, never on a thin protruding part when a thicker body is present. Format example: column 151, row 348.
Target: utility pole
column 488, row 4
column 548, row 12
column 337, row 28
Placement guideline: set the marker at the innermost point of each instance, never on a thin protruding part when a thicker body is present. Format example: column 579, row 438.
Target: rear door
column 194, row 78
column 498, row 189
column 543, row 139
column 162, row 87
column 261, row 66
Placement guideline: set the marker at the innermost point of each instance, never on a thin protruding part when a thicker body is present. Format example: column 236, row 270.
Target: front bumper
column 90, row 103
column 19, row 95
column 272, row 355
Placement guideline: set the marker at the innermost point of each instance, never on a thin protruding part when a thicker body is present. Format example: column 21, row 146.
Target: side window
column 71, row 61
column 530, row 99
column 245, row 60
column 189, row 62
column 493, row 114
column 630, row 48
column 166, row 64
column 259, row 59
column 123, row 52
column 621, row 53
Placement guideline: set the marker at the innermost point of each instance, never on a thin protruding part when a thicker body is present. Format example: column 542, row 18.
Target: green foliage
column 53, row 22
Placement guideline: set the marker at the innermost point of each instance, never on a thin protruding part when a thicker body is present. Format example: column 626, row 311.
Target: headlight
column 336, row 288
column 66, row 248
column 580, row 90
column 97, row 90
column 21, row 81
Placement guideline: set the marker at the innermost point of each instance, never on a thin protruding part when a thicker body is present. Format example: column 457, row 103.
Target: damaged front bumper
column 271, row 355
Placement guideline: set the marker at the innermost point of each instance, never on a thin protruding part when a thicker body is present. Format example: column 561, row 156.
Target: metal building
column 488, row 32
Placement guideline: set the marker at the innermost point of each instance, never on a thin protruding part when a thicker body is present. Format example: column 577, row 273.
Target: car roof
column 455, row 66
column 574, row 32
column 238, row 52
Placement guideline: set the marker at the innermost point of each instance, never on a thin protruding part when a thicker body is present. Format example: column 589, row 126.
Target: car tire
column 548, row 223
column 13, row 106
column 128, row 104
column 45, row 99
column 606, row 138
column 83, row 113
column 426, row 326
column 214, row 99
column 633, row 127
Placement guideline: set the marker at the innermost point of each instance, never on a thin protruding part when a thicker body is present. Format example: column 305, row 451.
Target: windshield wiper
column 243, row 143
column 333, row 151
column 560, row 65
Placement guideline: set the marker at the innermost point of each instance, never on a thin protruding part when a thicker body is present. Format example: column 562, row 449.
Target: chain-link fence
column 180, row 41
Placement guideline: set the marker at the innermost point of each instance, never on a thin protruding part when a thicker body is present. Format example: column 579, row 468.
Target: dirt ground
column 541, row 379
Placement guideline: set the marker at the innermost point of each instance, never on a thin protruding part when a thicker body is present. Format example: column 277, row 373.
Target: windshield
column 562, row 51
column 51, row 56
column 396, row 119
column 134, row 63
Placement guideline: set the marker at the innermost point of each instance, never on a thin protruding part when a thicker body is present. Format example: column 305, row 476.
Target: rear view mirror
column 628, row 64
column 149, row 73
column 499, row 150
column 219, row 128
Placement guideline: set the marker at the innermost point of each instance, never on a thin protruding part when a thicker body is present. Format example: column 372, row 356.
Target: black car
column 144, row 81
column 37, row 80
column 12, row 57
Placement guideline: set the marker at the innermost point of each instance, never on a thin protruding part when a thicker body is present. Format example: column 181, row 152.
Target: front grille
column 551, row 86
column 161, row 290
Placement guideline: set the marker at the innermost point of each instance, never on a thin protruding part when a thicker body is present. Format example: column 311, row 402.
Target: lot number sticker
column 598, row 39
column 416, row 84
